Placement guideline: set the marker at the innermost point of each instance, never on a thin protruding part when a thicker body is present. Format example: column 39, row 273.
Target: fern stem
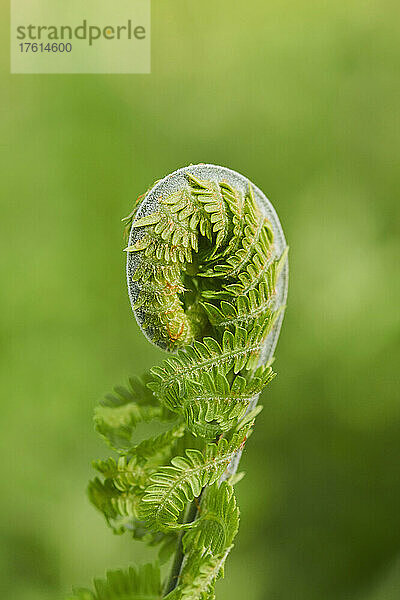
column 192, row 513
column 173, row 578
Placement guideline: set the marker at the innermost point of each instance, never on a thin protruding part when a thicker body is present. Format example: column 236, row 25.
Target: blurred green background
column 303, row 98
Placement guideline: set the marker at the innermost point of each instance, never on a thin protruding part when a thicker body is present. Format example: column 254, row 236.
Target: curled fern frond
column 207, row 278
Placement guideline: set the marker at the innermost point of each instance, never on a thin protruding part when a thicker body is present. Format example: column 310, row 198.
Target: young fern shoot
column 207, row 278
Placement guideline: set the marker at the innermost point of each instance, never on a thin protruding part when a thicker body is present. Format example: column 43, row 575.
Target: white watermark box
column 71, row 36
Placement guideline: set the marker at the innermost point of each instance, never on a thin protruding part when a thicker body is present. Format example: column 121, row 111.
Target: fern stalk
column 207, row 279
column 191, row 513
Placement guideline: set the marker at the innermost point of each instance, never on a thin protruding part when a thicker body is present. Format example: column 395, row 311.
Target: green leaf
column 237, row 352
column 118, row 415
column 136, row 583
column 173, row 486
column 120, row 508
column 118, row 496
column 118, row 425
column 199, row 577
column 218, row 522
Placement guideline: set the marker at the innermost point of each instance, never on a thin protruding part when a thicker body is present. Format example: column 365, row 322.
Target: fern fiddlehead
column 207, row 279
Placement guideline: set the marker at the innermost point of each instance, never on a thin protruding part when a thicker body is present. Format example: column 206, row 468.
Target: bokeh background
column 303, row 98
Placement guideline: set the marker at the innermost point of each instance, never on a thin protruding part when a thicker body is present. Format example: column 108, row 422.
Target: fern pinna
column 207, row 278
